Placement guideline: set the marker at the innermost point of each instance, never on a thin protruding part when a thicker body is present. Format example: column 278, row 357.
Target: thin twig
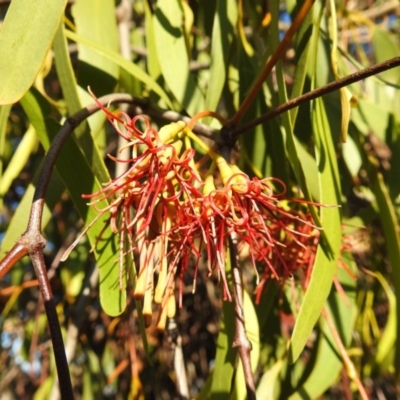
column 240, row 339
column 54, row 324
column 329, row 88
column 17, row 252
column 283, row 46
column 142, row 107
column 77, row 320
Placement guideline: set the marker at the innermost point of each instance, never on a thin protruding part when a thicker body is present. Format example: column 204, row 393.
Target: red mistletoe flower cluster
column 169, row 213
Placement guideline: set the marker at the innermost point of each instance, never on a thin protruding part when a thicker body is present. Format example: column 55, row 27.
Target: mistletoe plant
column 241, row 191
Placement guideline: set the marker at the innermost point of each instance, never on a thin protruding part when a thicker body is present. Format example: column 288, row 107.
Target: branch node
column 72, row 122
column 32, row 240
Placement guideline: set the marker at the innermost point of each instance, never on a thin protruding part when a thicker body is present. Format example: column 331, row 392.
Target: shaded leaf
column 390, row 227
column 384, row 353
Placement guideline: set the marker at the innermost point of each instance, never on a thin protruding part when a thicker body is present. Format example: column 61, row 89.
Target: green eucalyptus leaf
column 352, row 156
column 152, row 59
column 327, row 254
column 19, row 160
column 95, row 20
column 25, row 38
column 221, row 380
column 91, row 17
column 130, row 67
column 173, row 55
column 386, row 46
column 390, row 227
column 225, row 359
column 269, row 382
column 291, row 143
column 225, row 19
column 383, row 358
column 302, row 45
column 343, row 312
column 73, row 102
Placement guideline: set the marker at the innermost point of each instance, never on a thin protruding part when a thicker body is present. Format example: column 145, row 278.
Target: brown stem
column 199, row 129
column 203, row 114
column 32, row 242
column 77, row 319
column 329, row 88
column 54, row 325
column 240, row 339
column 17, row 252
column 283, row 45
column 350, row 369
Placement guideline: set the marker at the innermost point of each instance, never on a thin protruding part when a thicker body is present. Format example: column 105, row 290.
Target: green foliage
column 25, row 39
column 189, row 57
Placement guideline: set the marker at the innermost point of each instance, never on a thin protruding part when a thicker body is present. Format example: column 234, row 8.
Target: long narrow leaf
column 291, row 148
column 327, row 353
column 69, row 88
column 326, row 261
column 130, row 67
column 173, row 56
column 25, row 38
column 390, row 227
column 224, row 22
column 91, row 17
column 219, row 385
